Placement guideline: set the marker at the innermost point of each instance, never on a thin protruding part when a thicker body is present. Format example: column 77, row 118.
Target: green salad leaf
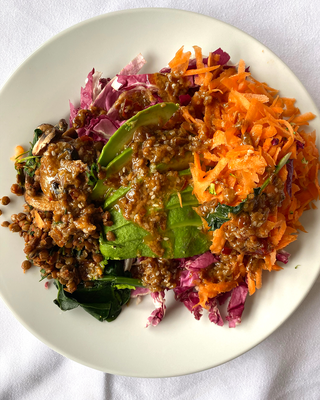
column 104, row 300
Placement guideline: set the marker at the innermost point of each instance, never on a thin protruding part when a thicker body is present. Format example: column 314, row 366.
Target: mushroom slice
column 44, row 127
column 40, row 202
column 43, row 141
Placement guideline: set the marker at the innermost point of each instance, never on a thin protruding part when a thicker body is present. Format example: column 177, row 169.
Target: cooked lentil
column 16, row 188
column 5, row 200
column 61, row 226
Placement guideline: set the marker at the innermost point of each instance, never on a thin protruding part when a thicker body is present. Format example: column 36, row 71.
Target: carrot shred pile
column 247, row 128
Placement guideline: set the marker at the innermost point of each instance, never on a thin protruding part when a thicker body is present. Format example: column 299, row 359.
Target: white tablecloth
column 284, row 366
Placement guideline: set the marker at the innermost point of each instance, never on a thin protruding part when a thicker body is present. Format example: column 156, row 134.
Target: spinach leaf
column 103, row 301
column 64, row 300
column 182, row 237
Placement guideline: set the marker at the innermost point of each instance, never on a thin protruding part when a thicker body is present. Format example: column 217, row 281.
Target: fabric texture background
column 284, row 366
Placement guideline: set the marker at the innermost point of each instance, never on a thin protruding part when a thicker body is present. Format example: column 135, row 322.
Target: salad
column 191, row 179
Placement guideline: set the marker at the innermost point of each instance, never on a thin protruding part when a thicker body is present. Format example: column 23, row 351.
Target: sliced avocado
column 177, row 164
column 114, row 197
column 99, row 191
column 154, row 115
column 119, row 162
column 113, row 167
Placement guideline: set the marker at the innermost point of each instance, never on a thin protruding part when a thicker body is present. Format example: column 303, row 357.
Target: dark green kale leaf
column 221, row 215
column 103, row 300
column 64, row 300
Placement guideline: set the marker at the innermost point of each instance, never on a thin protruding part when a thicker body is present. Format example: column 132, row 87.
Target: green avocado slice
column 154, row 115
column 177, row 164
column 119, row 162
column 114, row 197
column 114, row 166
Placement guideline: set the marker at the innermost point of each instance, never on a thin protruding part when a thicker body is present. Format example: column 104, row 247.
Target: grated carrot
column 247, row 128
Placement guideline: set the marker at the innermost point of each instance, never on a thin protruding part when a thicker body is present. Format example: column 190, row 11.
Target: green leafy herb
column 221, row 215
column 43, row 274
column 304, row 161
column 281, row 164
column 296, row 267
column 92, row 174
column 31, row 162
column 212, row 189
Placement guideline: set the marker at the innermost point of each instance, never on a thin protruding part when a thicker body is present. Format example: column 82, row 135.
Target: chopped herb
column 43, row 274
column 304, row 161
column 57, row 222
column 282, row 162
column 32, row 163
column 221, row 215
column 291, row 212
column 296, row 267
column 212, row 189
column 233, row 175
column 92, row 174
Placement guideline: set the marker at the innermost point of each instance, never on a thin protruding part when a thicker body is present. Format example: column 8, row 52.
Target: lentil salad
column 182, row 205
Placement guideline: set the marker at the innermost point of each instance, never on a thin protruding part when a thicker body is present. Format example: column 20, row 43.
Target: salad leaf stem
column 121, row 280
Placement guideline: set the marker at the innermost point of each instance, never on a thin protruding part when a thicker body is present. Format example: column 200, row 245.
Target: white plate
column 39, row 92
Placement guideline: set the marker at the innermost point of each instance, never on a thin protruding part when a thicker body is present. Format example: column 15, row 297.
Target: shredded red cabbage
column 214, row 313
column 236, row 305
column 158, row 314
column 300, row 145
column 283, row 256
